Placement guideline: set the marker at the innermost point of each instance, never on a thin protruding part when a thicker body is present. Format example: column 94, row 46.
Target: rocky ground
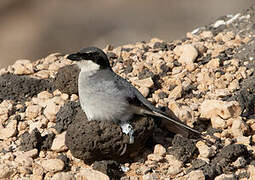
column 207, row 79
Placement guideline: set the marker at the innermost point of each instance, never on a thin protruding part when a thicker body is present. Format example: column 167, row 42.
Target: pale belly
column 103, row 102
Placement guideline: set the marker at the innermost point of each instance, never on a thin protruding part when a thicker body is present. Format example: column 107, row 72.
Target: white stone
column 58, row 143
column 53, row 165
column 90, row 174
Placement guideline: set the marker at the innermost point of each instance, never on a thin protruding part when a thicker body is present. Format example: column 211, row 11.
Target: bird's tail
column 176, row 122
column 175, row 125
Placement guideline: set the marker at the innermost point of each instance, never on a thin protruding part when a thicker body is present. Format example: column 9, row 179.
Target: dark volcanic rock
column 229, row 154
column 222, row 163
column 66, row 79
column 246, row 97
column 210, row 171
column 111, row 168
column 47, row 141
column 31, row 141
column 183, row 148
column 66, row 160
column 66, row 115
column 35, row 140
column 19, row 88
column 95, row 141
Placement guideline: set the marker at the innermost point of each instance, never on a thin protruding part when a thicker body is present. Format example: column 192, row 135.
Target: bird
column 106, row 96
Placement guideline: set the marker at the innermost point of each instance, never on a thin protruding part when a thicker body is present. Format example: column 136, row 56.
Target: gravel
column 206, row 80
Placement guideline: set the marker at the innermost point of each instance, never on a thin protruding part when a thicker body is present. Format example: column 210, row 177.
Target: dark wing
column 134, row 97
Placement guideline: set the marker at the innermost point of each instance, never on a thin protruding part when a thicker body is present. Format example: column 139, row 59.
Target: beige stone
column 155, row 157
column 31, row 153
column 218, row 122
column 33, row 111
column 177, row 70
column 176, row 93
column 204, row 150
column 144, row 91
column 213, row 63
column 148, row 82
column 234, row 85
column 225, row 177
column 243, row 140
column 90, row 174
column 5, row 171
column 223, row 109
column 53, row 165
column 64, row 96
column 8, row 131
column 58, row 143
column 43, row 74
column 188, row 53
column 38, row 169
column 175, row 166
column 5, row 106
column 238, row 127
column 51, row 110
column 193, row 175
column 23, row 66
column 24, row 161
column 36, row 177
column 150, row 176
column 63, row 176
column 74, row 97
column 51, row 58
column 251, row 171
column 159, row 149
column 206, row 34
column 44, row 95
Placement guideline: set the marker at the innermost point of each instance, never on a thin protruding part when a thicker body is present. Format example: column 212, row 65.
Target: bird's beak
column 74, row 57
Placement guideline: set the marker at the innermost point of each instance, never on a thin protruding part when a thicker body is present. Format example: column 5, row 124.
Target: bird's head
column 90, row 59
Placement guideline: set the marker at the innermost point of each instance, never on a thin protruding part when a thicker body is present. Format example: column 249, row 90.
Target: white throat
column 88, row 66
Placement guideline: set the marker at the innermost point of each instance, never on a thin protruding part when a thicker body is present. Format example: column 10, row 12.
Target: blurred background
column 31, row 29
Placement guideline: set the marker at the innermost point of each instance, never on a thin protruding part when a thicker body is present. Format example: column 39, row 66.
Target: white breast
column 102, row 101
